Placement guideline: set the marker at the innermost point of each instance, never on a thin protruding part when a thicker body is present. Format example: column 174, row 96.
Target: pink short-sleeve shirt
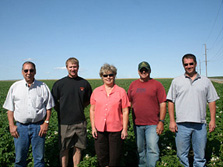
column 108, row 109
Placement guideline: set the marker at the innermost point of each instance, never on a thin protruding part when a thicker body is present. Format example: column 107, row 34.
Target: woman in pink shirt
column 109, row 118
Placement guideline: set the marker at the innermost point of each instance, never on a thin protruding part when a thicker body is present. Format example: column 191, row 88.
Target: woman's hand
column 124, row 134
column 94, row 133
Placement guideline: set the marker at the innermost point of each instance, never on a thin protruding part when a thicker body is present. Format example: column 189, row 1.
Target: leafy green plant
column 214, row 150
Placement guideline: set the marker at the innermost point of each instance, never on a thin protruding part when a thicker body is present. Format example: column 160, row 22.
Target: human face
column 108, row 78
column 72, row 69
column 144, row 74
column 189, row 66
column 28, row 72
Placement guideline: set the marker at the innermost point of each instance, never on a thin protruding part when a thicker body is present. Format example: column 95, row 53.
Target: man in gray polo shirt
column 190, row 94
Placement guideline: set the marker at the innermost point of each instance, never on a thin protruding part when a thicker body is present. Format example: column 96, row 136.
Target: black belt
column 39, row 122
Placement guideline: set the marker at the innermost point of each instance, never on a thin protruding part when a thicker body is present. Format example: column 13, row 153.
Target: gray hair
column 29, row 62
column 107, row 68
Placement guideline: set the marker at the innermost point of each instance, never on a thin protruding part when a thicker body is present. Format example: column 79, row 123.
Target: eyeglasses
column 186, row 64
column 110, row 75
column 26, row 70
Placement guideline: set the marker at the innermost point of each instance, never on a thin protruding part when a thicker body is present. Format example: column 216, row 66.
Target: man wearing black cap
column 148, row 101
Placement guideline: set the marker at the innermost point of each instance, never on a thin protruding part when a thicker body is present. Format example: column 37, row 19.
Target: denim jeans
column 28, row 133
column 147, row 145
column 197, row 133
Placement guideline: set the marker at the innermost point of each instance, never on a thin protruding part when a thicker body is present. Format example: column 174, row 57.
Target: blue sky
column 118, row 32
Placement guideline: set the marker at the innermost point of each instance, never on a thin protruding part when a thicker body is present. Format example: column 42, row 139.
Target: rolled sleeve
column 9, row 103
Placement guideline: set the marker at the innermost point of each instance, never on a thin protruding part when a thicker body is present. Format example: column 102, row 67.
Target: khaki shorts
column 73, row 136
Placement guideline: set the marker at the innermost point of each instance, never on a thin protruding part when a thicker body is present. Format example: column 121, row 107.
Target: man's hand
column 160, row 128
column 43, row 129
column 13, row 131
column 173, row 127
column 212, row 126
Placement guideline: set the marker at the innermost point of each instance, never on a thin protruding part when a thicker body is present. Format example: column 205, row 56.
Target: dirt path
column 217, row 80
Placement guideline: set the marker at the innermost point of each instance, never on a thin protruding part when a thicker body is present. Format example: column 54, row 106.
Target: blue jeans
column 197, row 133
column 147, row 145
column 28, row 133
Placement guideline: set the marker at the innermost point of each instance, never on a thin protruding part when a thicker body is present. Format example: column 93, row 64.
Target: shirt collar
column 197, row 77
column 34, row 82
column 77, row 77
column 102, row 88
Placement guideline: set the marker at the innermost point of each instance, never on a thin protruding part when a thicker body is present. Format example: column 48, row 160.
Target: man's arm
column 212, row 108
column 55, row 94
column 173, row 125
column 160, row 125
column 12, row 126
column 87, row 95
column 44, row 126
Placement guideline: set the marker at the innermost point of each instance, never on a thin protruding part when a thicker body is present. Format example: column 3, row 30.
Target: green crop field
column 214, row 151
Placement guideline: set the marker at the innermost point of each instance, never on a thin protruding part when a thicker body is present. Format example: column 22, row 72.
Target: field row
column 214, row 151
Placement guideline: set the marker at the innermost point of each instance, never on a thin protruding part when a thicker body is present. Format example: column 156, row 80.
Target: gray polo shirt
column 191, row 97
column 29, row 104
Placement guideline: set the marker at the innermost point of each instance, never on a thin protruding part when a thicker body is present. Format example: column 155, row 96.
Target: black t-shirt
column 71, row 95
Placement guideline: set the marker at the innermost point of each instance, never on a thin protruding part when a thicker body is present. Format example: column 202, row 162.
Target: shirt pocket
column 38, row 102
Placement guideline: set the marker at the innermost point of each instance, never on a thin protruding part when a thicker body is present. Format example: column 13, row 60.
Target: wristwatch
column 162, row 121
column 47, row 122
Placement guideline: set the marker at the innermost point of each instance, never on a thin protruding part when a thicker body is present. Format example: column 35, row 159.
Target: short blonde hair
column 73, row 60
column 107, row 68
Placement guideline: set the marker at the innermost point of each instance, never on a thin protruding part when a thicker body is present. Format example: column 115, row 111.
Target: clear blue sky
column 118, row 32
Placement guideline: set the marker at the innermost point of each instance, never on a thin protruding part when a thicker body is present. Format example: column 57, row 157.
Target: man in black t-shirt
column 71, row 94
